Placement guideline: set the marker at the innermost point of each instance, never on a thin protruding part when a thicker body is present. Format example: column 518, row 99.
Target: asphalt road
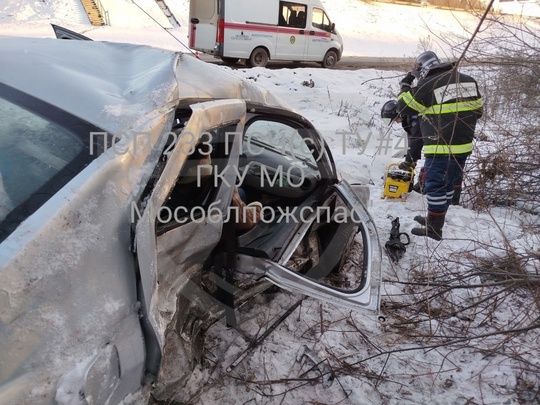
column 346, row 63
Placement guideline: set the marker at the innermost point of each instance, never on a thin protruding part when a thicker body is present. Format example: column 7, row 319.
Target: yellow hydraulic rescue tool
column 397, row 182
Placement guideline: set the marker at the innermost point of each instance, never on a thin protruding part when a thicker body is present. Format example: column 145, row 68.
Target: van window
column 292, row 14
column 202, row 9
column 320, row 20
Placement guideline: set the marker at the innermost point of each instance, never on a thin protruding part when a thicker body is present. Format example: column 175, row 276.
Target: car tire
column 230, row 61
column 330, row 60
column 259, row 58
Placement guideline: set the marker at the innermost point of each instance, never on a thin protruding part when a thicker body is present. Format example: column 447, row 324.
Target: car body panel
column 48, row 266
column 51, row 276
column 81, row 302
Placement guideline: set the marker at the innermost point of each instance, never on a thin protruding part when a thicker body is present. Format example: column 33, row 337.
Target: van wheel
column 230, row 61
column 258, row 58
column 330, row 60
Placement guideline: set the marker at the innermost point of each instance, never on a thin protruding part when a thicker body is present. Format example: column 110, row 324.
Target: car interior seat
column 301, row 19
column 292, row 18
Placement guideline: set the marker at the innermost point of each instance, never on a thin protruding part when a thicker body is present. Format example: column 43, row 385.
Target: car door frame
column 365, row 297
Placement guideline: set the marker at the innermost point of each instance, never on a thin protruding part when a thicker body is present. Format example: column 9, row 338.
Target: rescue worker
column 448, row 104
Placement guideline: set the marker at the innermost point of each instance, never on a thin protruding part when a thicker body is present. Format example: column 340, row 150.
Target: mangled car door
column 181, row 216
column 315, row 236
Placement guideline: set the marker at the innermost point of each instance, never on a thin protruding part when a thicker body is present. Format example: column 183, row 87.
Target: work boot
column 433, row 228
column 421, row 220
column 457, row 194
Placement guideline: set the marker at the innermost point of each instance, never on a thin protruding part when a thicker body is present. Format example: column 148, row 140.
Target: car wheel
column 258, row 58
column 230, row 61
column 330, row 60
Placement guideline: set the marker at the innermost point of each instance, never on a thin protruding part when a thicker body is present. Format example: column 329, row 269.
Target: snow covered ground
column 361, row 349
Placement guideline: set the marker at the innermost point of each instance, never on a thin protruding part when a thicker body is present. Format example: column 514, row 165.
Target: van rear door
column 203, row 23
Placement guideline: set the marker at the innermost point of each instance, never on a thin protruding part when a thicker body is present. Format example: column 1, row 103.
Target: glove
column 407, row 81
column 407, row 166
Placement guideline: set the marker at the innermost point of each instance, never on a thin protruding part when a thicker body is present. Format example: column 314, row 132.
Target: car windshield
column 41, row 149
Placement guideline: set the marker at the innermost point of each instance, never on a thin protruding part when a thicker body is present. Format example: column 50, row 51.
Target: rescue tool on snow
column 395, row 246
column 397, row 182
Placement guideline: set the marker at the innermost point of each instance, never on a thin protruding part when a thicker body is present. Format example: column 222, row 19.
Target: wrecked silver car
column 108, row 259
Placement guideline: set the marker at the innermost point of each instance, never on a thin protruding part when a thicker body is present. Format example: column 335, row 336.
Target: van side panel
column 249, row 25
column 252, row 11
column 203, row 22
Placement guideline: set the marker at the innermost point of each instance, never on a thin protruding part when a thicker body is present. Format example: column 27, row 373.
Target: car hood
column 112, row 84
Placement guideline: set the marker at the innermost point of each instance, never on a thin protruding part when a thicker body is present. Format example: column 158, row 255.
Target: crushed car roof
column 109, row 84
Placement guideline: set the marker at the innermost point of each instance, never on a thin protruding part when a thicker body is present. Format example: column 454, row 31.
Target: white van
column 259, row 30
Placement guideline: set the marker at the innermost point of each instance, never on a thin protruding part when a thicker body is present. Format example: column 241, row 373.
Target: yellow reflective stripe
column 449, row 108
column 448, row 149
column 411, row 102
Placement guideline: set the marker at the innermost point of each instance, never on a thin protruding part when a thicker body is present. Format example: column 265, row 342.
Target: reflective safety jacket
column 448, row 104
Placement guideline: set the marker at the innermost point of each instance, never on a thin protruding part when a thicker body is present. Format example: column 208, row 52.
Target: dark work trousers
column 442, row 174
